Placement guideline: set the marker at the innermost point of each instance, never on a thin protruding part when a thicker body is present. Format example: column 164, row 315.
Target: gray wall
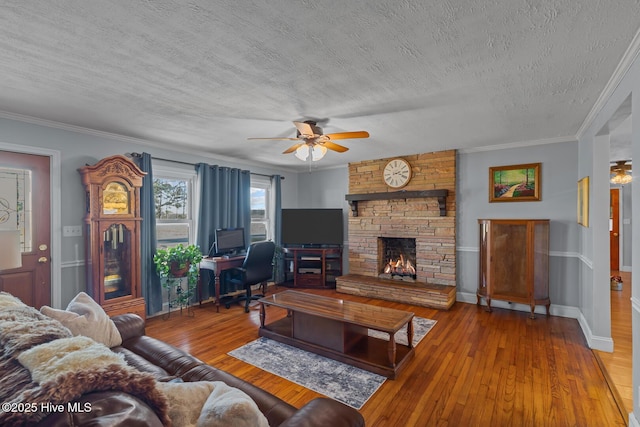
column 558, row 203
column 327, row 188
column 594, row 144
column 80, row 148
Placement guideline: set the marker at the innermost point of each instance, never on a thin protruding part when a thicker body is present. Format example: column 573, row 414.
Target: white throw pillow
column 85, row 317
column 229, row 406
column 211, row 404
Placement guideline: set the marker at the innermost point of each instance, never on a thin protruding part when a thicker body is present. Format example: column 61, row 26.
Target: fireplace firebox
column 397, row 258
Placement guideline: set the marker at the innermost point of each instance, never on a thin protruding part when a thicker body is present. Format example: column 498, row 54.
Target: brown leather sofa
column 168, row 363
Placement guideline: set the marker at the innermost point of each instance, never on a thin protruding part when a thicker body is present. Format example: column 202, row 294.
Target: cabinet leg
column 489, row 305
column 533, row 308
column 548, row 312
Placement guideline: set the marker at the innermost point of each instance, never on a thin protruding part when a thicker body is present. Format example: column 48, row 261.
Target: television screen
column 229, row 240
column 312, row 227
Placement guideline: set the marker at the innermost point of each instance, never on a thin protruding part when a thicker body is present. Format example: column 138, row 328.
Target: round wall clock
column 397, row 173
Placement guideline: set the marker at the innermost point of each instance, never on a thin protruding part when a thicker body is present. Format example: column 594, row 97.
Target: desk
column 218, row 265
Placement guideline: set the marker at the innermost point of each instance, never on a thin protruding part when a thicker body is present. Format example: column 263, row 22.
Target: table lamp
column 10, row 256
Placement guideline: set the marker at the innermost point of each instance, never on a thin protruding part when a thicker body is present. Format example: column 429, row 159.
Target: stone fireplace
column 422, row 220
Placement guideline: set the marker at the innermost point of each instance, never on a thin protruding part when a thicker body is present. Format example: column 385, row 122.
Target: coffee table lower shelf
column 364, row 351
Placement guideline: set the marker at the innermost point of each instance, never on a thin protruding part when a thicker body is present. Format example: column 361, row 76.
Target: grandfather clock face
column 115, row 199
column 397, row 173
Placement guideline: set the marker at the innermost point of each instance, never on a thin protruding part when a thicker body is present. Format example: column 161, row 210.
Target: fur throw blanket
column 59, row 376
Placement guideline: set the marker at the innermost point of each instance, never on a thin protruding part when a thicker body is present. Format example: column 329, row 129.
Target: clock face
column 397, row 173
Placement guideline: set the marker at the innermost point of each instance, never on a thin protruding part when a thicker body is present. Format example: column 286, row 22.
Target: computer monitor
column 229, row 241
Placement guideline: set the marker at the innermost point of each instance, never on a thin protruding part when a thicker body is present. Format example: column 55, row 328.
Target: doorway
column 25, row 201
column 614, row 228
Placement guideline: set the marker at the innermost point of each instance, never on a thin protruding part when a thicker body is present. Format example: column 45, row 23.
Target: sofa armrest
column 129, row 325
column 321, row 412
column 104, row 409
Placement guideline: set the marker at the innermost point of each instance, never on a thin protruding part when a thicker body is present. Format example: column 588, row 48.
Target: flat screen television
column 312, row 227
column 229, row 241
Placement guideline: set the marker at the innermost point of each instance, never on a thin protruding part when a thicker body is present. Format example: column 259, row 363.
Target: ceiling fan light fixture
column 302, row 152
column 318, row 152
column 621, row 177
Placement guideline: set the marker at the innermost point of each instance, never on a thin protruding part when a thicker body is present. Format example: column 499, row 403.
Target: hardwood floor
column 618, row 364
column 473, row 368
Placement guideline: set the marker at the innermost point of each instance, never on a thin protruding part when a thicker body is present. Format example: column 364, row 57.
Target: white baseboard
column 633, row 421
column 595, row 342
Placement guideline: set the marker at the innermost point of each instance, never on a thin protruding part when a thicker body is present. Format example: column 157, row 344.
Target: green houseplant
column 177, row 262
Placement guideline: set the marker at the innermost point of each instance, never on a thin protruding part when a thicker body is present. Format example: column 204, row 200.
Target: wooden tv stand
column 338, row 329
column 313, row 267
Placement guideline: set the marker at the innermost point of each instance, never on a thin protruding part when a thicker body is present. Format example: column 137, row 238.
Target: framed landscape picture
column 583, row 201
column 515, row 183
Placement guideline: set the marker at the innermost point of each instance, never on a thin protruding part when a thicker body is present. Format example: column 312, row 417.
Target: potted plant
column 174, row 263
column 616, row 283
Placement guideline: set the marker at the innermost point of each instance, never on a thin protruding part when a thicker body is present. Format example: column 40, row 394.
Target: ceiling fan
column 314, row 142
column 620, row 170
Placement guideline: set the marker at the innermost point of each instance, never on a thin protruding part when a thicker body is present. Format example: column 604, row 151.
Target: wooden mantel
column 441, row 195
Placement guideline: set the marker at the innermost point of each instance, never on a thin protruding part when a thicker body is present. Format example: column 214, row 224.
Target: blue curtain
column 225, row 202
column 277, row 239
column 151, row 287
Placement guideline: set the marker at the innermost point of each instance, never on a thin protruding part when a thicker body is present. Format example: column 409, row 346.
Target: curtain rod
column 138, row 155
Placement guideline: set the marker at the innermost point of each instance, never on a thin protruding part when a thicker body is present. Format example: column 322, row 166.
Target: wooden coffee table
column 338, row 329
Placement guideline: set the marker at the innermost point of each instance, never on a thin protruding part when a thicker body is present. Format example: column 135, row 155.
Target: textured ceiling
column 418, row 75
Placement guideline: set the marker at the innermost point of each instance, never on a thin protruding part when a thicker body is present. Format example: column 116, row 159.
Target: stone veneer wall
column 416, row 218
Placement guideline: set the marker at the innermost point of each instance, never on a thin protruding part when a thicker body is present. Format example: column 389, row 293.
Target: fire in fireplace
column 397, row 258
column 400, row 266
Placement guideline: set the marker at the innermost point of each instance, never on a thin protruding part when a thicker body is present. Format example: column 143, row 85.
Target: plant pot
column 176, row 271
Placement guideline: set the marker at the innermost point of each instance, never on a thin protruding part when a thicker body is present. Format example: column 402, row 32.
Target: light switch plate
column 72, row 231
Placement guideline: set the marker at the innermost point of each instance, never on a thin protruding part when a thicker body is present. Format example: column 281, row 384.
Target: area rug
column 339, row 381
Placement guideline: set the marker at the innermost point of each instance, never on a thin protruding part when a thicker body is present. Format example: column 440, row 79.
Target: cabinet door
column 117, row 260
column 541, row 260
column 509, row 260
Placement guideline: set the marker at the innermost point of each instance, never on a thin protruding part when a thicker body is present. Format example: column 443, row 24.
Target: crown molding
column 621, row 70
column 133, row 140
column 520, row 144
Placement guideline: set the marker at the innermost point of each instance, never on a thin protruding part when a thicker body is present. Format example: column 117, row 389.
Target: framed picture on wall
column 583, row 201
column 515, row 183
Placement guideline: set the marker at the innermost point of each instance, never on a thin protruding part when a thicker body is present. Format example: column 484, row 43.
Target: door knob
column 615, row 234
column 43, row 260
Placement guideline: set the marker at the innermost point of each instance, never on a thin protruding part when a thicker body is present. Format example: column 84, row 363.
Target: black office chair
column 256, row 268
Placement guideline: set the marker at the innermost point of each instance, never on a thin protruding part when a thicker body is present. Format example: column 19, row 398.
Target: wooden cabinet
column 112, row 234
column 312, row 267
column 514, row 261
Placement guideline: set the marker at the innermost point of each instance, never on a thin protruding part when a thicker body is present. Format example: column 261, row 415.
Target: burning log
column 400, row 267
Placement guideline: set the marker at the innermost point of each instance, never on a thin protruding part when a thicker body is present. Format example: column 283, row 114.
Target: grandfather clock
column 112, row 234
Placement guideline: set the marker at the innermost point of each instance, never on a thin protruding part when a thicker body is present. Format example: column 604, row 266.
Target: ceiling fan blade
column 348, row 135
column 335, row 147
column 304, row 128
column 278, row 139
column 293, row 148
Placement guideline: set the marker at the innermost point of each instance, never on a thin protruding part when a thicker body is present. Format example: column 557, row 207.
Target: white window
column 173, row 193
column 262, row 214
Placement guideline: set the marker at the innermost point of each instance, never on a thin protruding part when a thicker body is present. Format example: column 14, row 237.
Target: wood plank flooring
column 618, row 364
column 474, row 368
